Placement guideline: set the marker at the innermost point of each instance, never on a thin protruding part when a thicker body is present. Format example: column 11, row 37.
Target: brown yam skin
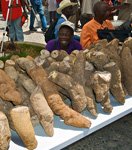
column 21, row 119
column 126, row 59
column 8, row 90
column 39, row 75
column 116, row 85
column 75, row 90
column 100, row 84
column 55, row 102
column 5, row 134
column 107, row 107
column 42, row 110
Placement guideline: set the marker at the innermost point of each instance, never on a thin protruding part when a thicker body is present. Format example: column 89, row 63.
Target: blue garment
column 38, row 7
column 37, row 2
column 60, row 21
column 15, row 30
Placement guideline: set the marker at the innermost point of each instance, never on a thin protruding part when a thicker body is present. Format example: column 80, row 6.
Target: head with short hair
column 101, row 11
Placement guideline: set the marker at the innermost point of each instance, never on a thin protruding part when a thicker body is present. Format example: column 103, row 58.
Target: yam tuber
column 23, row 126
column 52, row 96
column 75, row 90
column 5, row 134
column 126, row 59
column 8, row 90
column 115, row 85
column 42, row 110
column 101, row 84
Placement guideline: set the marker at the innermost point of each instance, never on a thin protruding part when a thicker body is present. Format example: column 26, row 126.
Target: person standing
column 52, row 6
column 38, row 7
column 14, row 19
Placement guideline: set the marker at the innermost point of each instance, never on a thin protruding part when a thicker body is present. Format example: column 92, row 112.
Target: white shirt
column 52, row 5
column 87, row 6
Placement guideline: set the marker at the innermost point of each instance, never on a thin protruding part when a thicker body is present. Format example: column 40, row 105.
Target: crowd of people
column 89, row 15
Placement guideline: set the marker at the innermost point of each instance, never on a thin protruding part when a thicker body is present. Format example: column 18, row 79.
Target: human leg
column 40, row 11
column 18, row 30
column 11, row 30
column 32, row 17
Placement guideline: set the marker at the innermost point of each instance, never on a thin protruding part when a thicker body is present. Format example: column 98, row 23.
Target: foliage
column 22, row 49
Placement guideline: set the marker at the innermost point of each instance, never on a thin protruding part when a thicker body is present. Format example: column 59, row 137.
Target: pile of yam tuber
column 33, row 90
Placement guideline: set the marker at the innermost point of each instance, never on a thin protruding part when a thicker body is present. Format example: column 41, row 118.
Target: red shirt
column 58, row 1
column 14, row 12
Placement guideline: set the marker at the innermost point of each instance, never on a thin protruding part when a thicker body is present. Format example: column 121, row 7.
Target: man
column 14, row 19
column 89, row 31
column 65, row 39
column 38, row 7
column 66, row 10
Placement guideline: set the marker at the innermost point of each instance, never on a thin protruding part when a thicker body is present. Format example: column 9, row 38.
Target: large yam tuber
column 5, row 134
column 44, row 53
column 98, row 59
column 78, row 69
column 107, row 107
column 75, row 90
column 91, row 105
column 1, row 64
column 23, row 126
column 9, row 62
column 42, row 110
column 115, row 85
column 111, row 51
column 52, row 96
column 11, row 72
column 58, row 54
column 8, row 90
column 62, row 66
column 27, row 83
column 101, row 84
column 5, row 108
column 128, row 43
column 126, row 59
column 26, row 102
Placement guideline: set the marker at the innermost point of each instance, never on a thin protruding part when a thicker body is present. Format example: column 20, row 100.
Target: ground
column 116, row 136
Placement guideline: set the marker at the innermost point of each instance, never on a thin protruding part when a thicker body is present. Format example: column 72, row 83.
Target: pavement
column 37, row 37
column 116, row 136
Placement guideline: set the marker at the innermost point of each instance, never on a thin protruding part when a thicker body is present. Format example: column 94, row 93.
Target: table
column 65, row 135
